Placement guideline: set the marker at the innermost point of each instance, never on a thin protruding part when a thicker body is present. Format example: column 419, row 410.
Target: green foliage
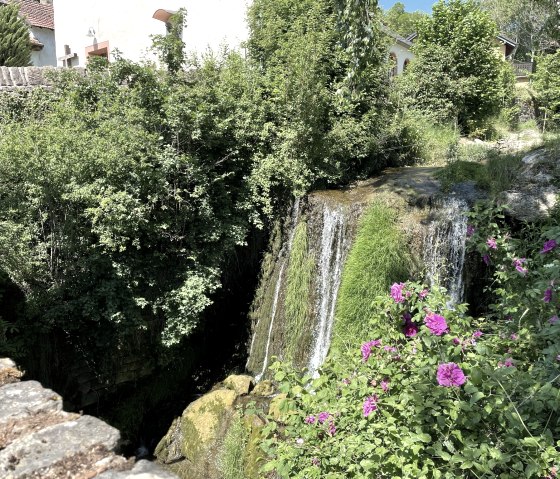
column 456, row 74
column 170, row 47
column 122, row 198
column 324, row 90
column 377, row 259
column 485, row 428
column 298, row 291
column 15, row 47
column 546, row 83
column 402, row 22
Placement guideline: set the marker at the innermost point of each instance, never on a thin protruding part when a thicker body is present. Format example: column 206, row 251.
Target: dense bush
column 15, row 46
column 546, row 83
column 456, row 75
column 434, row 392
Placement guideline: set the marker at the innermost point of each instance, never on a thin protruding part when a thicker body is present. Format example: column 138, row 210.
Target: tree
column 170, row 48
column 402, row 22
column 533, row 24
column 546, row 83
column 456, row 74
column 15, row 47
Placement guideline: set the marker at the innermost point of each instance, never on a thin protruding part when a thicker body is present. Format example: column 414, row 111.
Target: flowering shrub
column 429, row 392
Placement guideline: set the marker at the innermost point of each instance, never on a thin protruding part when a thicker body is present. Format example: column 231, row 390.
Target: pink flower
column 310, row 419
column 410, row 329
column 332, row 428
column 422, row 294
column 548, row 246
column 470, row 230
column 508, row 363
column 456, row 341
column 486, row 259
column 547, row 298
column 554, row 319
column 491, row 242
column 390, row 349
column 323, row 416
column 370, row 405
column 514, row 337
column 315, row 461
column 477, row 334
column 367, row 347
column 385, row 385
column 518, row 265
column 397, row 292
column 450, row 375
column 436, row 324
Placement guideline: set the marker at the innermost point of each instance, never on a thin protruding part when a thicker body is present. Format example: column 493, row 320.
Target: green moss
column 377, row 259
column 298, row 293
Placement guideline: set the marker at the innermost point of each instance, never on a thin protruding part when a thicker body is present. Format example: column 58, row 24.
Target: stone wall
column 15, row 78
column 40, row 440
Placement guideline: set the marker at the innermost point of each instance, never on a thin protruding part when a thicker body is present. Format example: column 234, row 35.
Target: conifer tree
column 15, row 47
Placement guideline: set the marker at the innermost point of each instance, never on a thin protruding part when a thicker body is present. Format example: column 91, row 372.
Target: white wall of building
column 402, row 54
column 128, row 24
column 47, row 55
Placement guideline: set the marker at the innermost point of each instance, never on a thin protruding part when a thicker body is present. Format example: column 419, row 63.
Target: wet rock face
column 534, row 194
column 40, row 440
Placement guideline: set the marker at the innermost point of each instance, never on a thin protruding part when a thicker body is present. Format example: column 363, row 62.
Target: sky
column 410, row 5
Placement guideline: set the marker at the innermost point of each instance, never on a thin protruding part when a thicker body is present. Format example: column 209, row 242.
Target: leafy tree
column 456, row 72
column 402, row 22
column 533, row 24
column 15, row 48
column 546, row 83
column 170, row 48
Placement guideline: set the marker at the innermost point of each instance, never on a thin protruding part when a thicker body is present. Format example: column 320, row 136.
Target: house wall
column 402, row 54
column 47, row 55
column 127, row 25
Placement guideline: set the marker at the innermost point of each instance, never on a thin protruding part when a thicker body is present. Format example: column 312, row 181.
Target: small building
column 39, row 15
column 399, row 51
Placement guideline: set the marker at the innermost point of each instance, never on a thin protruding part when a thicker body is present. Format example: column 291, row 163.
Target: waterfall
column 333, row 251
column 444, row 247
column 283, row 258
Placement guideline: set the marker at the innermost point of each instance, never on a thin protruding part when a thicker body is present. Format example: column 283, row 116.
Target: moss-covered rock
column 218, row 435
column 240, row 383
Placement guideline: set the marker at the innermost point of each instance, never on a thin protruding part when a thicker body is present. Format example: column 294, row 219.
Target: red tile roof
column 37, row 14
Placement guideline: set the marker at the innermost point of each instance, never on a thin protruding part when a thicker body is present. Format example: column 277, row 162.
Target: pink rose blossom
column 436, row 324
column 450, row 375
column 491, row 242
column 370, row 405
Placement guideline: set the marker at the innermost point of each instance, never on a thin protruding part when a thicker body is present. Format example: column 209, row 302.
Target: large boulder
column 218, row 432
column 534, row 193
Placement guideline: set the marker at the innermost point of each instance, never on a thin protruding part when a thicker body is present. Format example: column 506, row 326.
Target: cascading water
column 283, row 257
column 444, row 253
column 333, row 252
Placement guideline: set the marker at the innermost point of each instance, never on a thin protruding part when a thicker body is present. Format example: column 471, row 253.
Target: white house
column 99, row 27
column 399, row 51
column 39, row 16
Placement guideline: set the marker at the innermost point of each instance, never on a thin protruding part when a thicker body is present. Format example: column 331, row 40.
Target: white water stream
column 283, row 256
column 444, row 253
column 333, row 252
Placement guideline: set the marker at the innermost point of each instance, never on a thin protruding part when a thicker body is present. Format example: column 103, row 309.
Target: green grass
column 491, row 170
column 298, row 293
column 377, row 259
column 231, row 461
